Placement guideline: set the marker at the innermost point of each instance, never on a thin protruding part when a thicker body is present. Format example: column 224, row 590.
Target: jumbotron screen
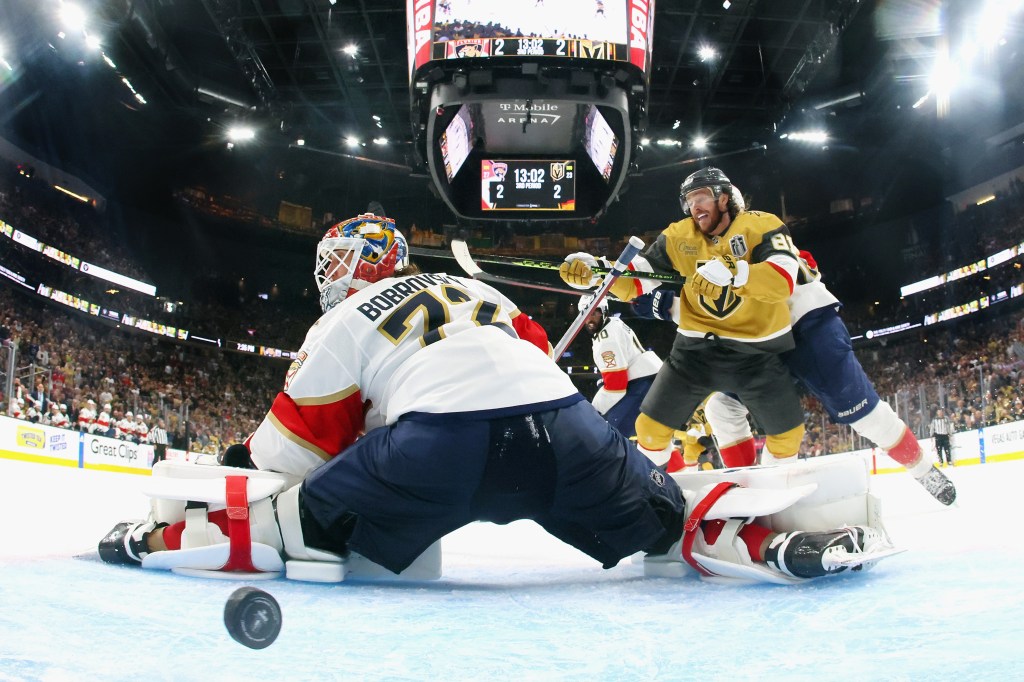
column 528, row 185
column 614, row 30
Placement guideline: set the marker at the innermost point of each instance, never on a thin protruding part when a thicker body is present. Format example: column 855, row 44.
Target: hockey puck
column 252, row 617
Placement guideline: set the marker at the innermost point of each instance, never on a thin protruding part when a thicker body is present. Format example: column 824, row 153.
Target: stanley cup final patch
column 738, row 245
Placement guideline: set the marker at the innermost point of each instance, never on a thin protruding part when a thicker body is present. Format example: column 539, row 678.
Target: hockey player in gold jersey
column 740, row 268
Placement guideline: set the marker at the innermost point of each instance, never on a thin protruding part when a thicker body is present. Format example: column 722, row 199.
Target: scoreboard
column 528, row 185
column 528, row 110
column 530, row 47
column 601, row 30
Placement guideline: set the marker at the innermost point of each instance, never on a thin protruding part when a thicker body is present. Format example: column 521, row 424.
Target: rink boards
column 30, row 442
column 25, row 441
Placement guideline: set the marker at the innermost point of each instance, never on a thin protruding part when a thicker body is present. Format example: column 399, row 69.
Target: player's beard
column 710, row 223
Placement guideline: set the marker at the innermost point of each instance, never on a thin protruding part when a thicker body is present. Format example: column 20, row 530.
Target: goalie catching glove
column 714, row 276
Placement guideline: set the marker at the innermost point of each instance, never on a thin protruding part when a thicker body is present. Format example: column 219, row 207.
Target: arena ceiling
column 287, row 59
column 780, row 67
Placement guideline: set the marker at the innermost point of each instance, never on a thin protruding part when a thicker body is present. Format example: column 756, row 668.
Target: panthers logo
column 295, row 367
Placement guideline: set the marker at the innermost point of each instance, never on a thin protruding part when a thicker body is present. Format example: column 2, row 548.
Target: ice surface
column 517, row 604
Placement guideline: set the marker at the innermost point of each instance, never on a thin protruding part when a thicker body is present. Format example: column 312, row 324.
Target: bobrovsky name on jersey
column 393, row 295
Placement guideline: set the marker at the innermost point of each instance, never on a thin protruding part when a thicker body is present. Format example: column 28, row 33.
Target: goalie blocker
column 239, row 523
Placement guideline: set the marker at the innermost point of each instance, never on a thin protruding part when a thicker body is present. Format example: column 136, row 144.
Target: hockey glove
column 655, row 305
column 577, row 271
column 715, row 275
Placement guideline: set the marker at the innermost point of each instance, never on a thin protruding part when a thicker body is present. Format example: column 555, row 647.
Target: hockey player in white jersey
column 627, row 368
column 414, row 408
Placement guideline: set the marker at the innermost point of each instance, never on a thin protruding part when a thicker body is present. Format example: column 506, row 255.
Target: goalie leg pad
column 174, row 483
column 245, row 543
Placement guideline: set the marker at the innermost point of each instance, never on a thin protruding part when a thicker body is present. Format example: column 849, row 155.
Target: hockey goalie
column 424, row 402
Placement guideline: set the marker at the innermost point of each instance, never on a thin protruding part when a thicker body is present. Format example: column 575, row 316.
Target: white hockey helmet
column 587, row 299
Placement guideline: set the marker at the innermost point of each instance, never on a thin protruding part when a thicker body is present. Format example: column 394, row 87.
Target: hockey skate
column 814, row 554
column 938, row 485
column 126, row 544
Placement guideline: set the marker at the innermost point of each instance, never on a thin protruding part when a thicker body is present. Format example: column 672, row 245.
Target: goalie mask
column 355, row 253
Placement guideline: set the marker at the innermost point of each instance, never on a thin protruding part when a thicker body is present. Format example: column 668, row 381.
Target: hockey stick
column 461, row 251
column 621, row 264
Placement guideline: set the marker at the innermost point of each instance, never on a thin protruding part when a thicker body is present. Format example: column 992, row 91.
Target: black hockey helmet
column 705, row 177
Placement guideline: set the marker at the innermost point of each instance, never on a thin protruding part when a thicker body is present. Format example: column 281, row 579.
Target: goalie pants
column 400, row 488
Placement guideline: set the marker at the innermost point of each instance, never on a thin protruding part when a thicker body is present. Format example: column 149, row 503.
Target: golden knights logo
column 738, row 246
column 557, row 171
column 723, row 306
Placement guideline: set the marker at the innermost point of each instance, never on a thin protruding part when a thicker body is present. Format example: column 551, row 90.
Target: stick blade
column 461, row 251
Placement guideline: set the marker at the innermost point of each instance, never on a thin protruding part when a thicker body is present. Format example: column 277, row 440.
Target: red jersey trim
column 616, row 381
column 785, row 275
column 323, row 429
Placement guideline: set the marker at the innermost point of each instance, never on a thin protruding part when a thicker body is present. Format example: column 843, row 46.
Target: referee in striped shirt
column 941, row 430
column 158, row 437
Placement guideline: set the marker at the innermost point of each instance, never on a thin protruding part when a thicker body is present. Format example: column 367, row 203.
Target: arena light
column 352, row 141
column 707, row 53
column 985, row 200
column 93, row 42
column 380, row 140
column 352, row 50
column 700, row 142
column 815, row 136
column 84, row 200
column 72, row 17
column 241, row 133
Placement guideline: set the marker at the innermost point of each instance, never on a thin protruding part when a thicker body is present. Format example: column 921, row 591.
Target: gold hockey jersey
column 753, row 317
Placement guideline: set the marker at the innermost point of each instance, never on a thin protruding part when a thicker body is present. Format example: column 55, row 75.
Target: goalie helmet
column 357, row 252
column 715, row 180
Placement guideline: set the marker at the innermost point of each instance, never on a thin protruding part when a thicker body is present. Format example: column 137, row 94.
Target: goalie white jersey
column 399, row 346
